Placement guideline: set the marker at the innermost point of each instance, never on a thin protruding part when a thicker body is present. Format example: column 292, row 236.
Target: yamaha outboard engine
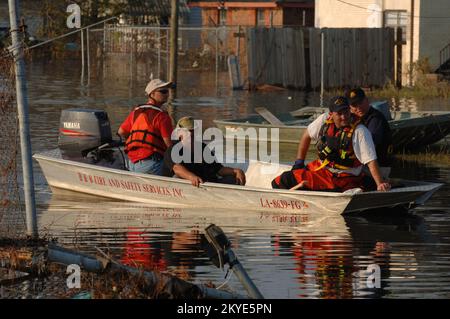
column 85, row 135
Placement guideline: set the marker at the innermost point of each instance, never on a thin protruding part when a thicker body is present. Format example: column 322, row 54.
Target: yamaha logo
column 71, row 125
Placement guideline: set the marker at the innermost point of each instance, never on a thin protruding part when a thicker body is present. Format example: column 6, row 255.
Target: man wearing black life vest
column 344, row 147
column 147, row 130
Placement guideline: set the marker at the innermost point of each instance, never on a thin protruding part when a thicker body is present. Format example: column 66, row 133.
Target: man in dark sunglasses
column 147, row 130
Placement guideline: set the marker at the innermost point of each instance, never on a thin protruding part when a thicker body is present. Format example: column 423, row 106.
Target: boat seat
column 261, row 174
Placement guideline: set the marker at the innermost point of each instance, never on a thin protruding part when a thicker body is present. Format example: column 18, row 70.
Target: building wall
column 434, row 32
column 369, row 14
column 242, row 16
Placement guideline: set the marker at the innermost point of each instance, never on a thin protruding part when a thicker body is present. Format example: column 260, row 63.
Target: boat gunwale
column 429, row 186
column 290, row 127
column 182, row 181
column 432, row 116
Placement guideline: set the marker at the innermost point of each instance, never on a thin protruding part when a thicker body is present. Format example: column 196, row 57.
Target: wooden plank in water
column 234, row 72
column 266, row 114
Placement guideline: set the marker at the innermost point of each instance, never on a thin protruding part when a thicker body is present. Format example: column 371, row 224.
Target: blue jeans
column 150, row 165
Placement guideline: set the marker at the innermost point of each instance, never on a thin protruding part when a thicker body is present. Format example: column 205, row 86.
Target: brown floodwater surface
column 286, row 255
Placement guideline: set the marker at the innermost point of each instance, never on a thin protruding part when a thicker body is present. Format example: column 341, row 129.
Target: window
column 260, row 17
column 395, row 19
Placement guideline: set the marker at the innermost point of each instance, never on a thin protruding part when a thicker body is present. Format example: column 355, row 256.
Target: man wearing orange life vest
column 147, row 130
column 343, row 145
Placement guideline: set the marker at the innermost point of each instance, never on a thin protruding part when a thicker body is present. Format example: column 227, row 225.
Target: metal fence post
column 88, row 58
column 82, row 56
column 22, row 107
column 217, row 58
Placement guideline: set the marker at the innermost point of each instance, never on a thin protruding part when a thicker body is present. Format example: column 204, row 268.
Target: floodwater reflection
column 287, row 256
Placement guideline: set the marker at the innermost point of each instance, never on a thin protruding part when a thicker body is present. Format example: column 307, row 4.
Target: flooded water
column 287, row 256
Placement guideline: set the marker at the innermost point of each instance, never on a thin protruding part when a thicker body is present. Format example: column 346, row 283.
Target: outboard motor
column 85, row 135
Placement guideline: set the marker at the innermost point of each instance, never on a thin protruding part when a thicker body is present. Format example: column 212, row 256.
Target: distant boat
column 257, row 195
column 410, row 130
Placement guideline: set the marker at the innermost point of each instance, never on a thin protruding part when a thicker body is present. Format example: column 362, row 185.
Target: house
column 266, row 13
column 425, row 25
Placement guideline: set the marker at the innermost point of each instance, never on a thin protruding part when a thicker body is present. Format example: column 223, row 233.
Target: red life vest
column 143, row 133
column 335, row 146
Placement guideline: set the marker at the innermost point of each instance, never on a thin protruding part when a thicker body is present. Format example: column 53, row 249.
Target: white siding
column 335, row 14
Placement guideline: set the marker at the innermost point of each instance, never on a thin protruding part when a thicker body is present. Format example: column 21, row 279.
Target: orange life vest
column 143, row 133
column 335, row 146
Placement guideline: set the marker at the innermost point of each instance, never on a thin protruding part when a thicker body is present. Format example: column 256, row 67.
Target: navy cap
column 356, row 96
column 338, row 103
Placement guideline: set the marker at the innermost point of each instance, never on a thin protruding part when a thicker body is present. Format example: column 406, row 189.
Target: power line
column 381, row 11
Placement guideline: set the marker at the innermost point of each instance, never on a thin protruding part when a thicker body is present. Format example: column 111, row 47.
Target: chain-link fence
column 143, row 51
column 12, row 216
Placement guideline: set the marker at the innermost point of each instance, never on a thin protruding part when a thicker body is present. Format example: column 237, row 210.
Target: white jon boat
column 410, row 130
column 257, row 195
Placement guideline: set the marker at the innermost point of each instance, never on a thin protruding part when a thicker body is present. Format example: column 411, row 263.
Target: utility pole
column 322, row 66
column 411, row 46
column 22, row 110
column 173, row 45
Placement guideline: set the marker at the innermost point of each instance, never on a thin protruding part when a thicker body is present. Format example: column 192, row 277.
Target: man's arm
column 302, row 150
column 184, row 173
column 303, row 146
column 375, row 172
column 236, row 172
column 311, row 132
column 123, row 133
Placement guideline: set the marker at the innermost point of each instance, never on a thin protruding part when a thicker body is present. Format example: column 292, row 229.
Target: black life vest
column 335, row 148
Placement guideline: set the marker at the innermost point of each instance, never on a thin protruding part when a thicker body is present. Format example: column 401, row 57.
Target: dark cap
column 338, row 103
column 356, row 96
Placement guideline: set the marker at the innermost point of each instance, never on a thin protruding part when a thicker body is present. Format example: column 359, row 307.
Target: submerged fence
column 292, row 57
column 288, row 57
column 142, row 51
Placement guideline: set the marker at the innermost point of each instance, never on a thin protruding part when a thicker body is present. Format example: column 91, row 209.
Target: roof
column 252, row 3
column 153, row 7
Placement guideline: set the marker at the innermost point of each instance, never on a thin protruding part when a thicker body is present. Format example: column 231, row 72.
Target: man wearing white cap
column 147, row 130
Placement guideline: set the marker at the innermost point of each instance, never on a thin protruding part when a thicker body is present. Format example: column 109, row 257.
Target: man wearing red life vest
column 147, row 130
column 344, row 147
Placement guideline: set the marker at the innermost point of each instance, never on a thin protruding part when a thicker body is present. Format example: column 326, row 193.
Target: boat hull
column 174, row 192
column 409, row 130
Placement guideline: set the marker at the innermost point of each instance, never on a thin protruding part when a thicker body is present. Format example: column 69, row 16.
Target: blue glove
column 300, row 163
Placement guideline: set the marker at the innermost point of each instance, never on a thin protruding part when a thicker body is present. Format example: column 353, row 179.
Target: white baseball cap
column 156, row 84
